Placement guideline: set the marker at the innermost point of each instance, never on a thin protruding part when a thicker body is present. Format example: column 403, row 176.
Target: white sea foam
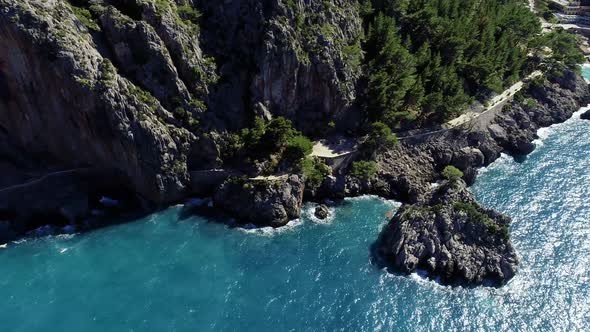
column 504, row 159
column 270, row 231
column 545, row 132
column 64, row 236
column 422, row 278
column 308, row 213
column 390, row 202
column 362, row 198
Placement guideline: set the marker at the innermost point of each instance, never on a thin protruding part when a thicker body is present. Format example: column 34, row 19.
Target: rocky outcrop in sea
column 270, row 201
column 444, row 231
column 451, row 237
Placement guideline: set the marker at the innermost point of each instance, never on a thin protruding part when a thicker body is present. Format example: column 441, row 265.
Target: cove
column 164, row 273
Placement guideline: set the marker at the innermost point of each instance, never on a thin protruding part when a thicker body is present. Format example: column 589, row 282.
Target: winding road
column 494, row 103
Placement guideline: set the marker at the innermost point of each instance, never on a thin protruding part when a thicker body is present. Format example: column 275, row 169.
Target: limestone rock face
column 451, row 237
column 66, row 106
column 129, row 84
column 149, row 88
column 407, row 171
column 262, row 202
column 303, row 57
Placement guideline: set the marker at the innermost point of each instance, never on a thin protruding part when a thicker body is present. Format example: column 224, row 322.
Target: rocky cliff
column 67, row 106
column 451, row 237
column 272, row 201
column 148, row 89
column 297, row 58
column 406, row 171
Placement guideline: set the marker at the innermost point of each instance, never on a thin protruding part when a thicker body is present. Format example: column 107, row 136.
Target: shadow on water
column 520, row 158
column 204, row 208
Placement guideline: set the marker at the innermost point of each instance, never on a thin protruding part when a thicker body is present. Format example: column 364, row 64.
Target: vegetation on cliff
column 162, row 90
column 428, row 59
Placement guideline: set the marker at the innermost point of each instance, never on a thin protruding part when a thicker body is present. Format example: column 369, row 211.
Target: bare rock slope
column 452, row 237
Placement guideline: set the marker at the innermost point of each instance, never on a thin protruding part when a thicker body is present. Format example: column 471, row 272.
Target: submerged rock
column 322, row 212
column 451, row 237
column 271, row 201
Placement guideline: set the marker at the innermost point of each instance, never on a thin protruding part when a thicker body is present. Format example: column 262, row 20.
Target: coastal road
column 44, row 177
column 493, row 104
column 566, row 26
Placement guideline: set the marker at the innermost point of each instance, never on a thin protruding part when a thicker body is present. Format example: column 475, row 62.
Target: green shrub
column 452, row 173
column 251, row 137
column 530, row 103
column 314, row 171
column 298, row 147
column 476, row 216
column 364, row 170
column 381, row 137
column 108, row 70
column 276, row 140
column 279, row 132
column 188, row 13
column 187, row 118
column 86, row 18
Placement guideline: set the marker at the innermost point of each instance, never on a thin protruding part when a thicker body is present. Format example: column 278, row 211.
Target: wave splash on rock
column 451, row 237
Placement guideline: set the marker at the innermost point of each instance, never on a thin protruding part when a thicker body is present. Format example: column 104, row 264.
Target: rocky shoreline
column 451, row 237
column 405, row 173
column 443, row 230
column 140, row 118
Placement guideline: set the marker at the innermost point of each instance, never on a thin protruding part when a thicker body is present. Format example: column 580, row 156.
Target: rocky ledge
column 445, row 232
column 270, row 201
column 406, row 171
column 449, row 235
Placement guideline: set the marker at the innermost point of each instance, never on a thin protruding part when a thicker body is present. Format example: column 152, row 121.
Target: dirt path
column 495, row 105
column 325, row 149
column 269, row 177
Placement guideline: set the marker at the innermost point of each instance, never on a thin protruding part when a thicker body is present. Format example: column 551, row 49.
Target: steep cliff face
column 139, row 85
column 66, row 106
column 147, row 89
column 295, row 58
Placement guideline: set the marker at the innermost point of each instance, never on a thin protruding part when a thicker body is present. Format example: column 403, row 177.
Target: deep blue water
column 165, row 274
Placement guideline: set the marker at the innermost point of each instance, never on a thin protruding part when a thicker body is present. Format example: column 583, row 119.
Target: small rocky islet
column 113, row 108
column 451, row 237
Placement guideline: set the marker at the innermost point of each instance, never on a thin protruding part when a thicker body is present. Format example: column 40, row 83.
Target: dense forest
column 427, row 60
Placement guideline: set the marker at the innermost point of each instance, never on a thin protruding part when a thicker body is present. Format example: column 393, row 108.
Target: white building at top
column 571, row 11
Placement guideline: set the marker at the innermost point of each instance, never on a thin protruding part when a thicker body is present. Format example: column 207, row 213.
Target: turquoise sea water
column 166, row 274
